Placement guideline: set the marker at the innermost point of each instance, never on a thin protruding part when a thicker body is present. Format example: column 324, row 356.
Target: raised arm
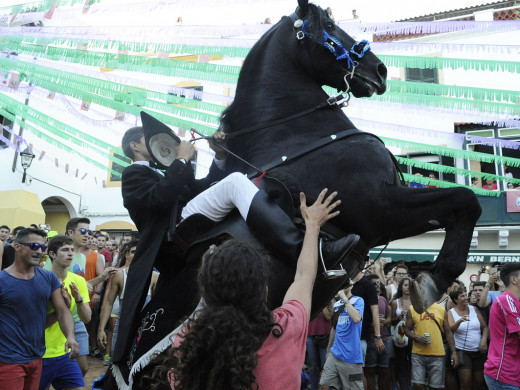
column 315, row 216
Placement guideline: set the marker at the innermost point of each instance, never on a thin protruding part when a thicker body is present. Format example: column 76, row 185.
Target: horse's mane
column 315, row 27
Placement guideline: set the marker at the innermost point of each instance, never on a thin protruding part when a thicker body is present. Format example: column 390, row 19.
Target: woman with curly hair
column 234, row 341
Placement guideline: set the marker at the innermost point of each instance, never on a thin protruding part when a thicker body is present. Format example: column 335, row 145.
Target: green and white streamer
column 446, row 184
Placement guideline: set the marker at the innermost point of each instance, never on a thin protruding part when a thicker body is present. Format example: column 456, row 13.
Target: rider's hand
column 321, row 211
column 219, row 138
column 185, row 150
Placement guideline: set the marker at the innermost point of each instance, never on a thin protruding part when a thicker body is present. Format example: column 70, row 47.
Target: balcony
column 494, row 211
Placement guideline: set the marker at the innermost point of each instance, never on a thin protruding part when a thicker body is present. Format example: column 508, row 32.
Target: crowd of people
column 444, row 347
column 82, row 265
column 67, row 291
column 370, row 335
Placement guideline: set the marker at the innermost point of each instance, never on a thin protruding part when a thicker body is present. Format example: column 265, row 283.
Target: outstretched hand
column 321, row 211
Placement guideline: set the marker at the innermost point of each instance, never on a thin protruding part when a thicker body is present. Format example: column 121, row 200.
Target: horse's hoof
column 423, row 292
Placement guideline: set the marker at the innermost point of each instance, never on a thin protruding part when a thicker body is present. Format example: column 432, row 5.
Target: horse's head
column 336, row 59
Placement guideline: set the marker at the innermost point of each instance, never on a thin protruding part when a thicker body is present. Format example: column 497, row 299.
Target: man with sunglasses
column 25, row 291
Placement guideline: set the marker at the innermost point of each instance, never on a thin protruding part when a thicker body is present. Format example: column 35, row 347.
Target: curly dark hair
column 219, row 349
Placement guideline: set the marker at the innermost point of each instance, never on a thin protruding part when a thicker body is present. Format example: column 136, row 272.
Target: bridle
column 334, row 45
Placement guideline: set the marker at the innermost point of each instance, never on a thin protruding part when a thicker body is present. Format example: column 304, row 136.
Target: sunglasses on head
column 34, row 246
column 83, row 231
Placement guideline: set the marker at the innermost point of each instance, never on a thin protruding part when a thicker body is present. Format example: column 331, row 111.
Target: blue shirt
column 347, row 341
column 23, row 311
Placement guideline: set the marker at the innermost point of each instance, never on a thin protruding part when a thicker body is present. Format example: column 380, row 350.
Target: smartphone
column 493, row 270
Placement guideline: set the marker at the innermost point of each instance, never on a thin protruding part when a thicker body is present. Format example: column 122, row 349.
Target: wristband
column 81, row 301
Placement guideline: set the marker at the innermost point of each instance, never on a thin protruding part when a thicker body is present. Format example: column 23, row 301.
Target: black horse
column 282, row 122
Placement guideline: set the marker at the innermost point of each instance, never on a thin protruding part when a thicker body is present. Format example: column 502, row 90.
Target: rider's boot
column 274, row 229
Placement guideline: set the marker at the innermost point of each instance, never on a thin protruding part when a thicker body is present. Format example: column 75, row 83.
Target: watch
column 378, row 337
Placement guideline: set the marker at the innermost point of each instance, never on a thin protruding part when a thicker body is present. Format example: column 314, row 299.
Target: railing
column 494, row 211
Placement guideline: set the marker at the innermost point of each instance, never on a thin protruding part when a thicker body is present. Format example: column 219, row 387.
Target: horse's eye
column 330, row 26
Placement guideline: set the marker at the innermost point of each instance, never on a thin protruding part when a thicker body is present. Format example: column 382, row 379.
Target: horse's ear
column 304, row 7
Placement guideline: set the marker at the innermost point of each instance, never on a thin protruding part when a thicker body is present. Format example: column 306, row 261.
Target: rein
column 331, row 101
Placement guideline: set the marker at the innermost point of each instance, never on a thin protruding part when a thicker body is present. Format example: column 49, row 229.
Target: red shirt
column 280, row 360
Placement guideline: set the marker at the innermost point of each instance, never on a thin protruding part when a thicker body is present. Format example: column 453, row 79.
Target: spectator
column 425, row 330
column 110, row 310
column 432, row 176
column 478, row 292
column 234, row 325
column 127, row 237
column 450, row 380
column 102, row 248
column 413, row 184
column 317, row 341
column 57, row 368
column 401, row 272
column 25, row 291
column 5, row 231
column 403, row 353
column 378, row 363
column 501, row 369
column 475, row 182
column 366, row 290
column 343, row 368
column 470, row 333
column 377, row 268
column 490, row 185
column 95, row 274
column 492, row 289
column 354, row 14
column 9, row 252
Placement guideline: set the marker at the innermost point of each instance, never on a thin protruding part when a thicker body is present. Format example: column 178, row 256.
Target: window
column 114, row 180
column 5, row 123
column 422, row 75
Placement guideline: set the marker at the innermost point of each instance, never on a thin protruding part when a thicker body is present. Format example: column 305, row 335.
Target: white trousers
column 235, row 191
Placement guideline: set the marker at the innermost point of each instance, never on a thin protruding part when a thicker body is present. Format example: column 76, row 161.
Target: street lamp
column 26, row 158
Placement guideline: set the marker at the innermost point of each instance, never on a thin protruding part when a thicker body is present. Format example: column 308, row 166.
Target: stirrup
column 331, row 274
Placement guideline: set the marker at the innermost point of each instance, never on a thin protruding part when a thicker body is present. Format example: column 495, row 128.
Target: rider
column 151, row 195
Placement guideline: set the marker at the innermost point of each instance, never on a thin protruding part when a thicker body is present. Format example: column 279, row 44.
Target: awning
column 422, row 255
column 20, row 208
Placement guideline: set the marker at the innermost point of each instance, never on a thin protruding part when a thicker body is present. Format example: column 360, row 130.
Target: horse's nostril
column 382, row 71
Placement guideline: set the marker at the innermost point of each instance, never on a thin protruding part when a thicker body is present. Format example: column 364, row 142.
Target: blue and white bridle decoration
column 333, row 44
column 358, row 49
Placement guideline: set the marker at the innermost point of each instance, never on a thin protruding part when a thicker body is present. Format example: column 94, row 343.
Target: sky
column 255, row 11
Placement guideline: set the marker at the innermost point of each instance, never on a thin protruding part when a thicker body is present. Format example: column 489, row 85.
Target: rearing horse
column 281, row 121
column 282, row 76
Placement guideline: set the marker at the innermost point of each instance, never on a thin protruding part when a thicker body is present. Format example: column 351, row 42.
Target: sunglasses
column 377, row 283
column 34, row 246
column 132, row 251
column 85, row 231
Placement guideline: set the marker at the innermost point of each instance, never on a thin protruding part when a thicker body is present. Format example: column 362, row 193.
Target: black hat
column 160, row 140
